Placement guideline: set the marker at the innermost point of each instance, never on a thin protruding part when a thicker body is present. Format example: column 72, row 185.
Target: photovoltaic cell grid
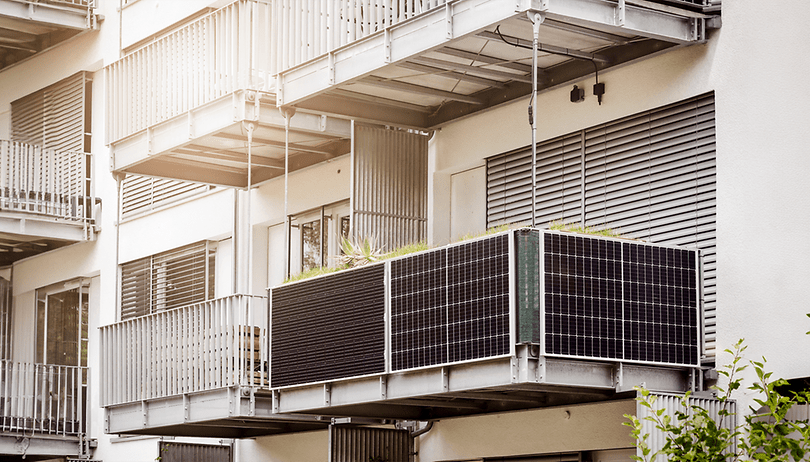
column 328, row 328
column 660, row 310
column 450, row 305
column 619, row 300
column 583, row 296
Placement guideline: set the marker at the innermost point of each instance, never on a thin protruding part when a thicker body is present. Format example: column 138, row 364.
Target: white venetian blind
column 167, row 280
column 54, row 117
column 649, row 176
column 143, row 194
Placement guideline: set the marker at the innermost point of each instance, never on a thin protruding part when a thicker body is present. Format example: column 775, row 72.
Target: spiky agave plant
column 359, row 252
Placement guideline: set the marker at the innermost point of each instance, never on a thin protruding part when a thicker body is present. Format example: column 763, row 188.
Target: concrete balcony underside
column 209, row 144
column 460, row 58
column 24, row 235
column 495, row 385
column 28, row 27
column 227, row 413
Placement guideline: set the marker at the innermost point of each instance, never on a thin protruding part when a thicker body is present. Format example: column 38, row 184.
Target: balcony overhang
column 35, row 447
column 27, row 27
column 452, row 61
column 225, row 413
column 209, row 144
column 524, row 381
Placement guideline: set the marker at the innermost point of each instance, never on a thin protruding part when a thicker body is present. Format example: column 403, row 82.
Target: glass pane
column 310, row 245
column 62, row 340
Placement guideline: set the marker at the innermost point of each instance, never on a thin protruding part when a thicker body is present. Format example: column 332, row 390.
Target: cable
column 518, row 45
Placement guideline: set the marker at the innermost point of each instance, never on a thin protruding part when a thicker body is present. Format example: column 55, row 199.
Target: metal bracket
column 186, row 411
column 276, row 400
column 618, row 378
column 330, row 57
column 513, row 363
column 383, row 387
column 445, row 380
column 327, row 394
column 621, row 13
column 448, row 17
column 387, row 44
column 145, row 414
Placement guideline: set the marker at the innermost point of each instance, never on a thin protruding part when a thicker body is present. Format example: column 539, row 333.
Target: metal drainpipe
column 119, row 177
column 422, row 431
column 536, row 19
column 250, row 127
column 287, row 113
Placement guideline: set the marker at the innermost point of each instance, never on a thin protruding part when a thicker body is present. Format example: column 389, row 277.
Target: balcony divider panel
column 648, row 176
column 389, row 196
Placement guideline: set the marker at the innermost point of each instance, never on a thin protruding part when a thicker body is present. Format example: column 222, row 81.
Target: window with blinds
column 167, row 280
column 649, row 176
column 143, row 194
column 55, row 117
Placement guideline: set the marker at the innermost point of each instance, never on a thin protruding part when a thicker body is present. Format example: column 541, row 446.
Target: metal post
column 536, row 19
column 287, row 113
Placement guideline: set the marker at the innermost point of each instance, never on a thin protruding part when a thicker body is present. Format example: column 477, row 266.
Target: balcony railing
column 47, row 182
column 215, row 344
column 42, row 398
column 309, row 30
column 220, row 53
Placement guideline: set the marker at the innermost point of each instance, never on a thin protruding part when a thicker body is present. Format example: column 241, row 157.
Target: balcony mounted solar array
column 577, row 296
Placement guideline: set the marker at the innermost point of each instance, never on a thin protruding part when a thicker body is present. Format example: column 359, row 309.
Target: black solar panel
column 328, row 328
column 612, row 299
column 451, row 304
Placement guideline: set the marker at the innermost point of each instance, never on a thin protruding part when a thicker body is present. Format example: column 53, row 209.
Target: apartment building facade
column 167, row 165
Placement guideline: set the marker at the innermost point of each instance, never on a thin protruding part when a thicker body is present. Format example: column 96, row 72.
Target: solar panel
column 623, row 300
column 451, row 304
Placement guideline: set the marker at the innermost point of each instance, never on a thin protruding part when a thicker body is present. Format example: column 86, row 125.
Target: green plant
column 489, row 231
column 582, row 229
column 359, row 252
column 406, row 250
column 312, row 272
column 692, row 434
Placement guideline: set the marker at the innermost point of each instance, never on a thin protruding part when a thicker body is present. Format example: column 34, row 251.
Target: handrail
column 311, row 29
column 222, row 52
column 47, row 182
column 205, row 346
column 43, row 398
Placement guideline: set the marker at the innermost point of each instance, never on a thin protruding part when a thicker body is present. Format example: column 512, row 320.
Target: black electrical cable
column 518, row 45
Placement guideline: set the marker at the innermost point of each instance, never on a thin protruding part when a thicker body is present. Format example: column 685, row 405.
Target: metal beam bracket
column 327, row 394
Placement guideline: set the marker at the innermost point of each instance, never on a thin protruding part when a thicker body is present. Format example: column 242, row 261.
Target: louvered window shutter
column 54, row 117
column 168, row 280
column 142, row 194
column 649, row 176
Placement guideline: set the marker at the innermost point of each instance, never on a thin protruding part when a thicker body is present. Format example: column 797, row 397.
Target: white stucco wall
column 762, row 161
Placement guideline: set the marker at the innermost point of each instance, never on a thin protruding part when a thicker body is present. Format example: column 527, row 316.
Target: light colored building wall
column 762, row 159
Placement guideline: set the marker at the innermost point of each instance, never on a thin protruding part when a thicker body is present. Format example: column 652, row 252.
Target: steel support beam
column 44, row 13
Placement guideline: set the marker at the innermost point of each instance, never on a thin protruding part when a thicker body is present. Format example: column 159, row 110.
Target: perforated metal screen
column 328, row 328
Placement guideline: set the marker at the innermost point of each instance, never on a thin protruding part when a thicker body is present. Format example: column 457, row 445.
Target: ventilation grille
column 450, row 304
column 352, row 444
column 329, row 328
column 606, row 298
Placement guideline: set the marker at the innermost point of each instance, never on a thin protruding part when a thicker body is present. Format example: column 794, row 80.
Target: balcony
column 199, row 370
column 517, row 320
column 30, row 26
column 46, row 200
column 199, row 105
column 423, row 63
column 43, row 409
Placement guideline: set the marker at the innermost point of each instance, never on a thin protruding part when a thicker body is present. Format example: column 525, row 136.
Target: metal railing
column 310, row 29
column 47, row 182
column 215, row 344
column 222, row 52
column 42, row 398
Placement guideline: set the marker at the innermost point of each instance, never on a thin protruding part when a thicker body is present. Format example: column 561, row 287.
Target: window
column 168, row 280
column 649, row 176
column 62, row 335
column 314, row 238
